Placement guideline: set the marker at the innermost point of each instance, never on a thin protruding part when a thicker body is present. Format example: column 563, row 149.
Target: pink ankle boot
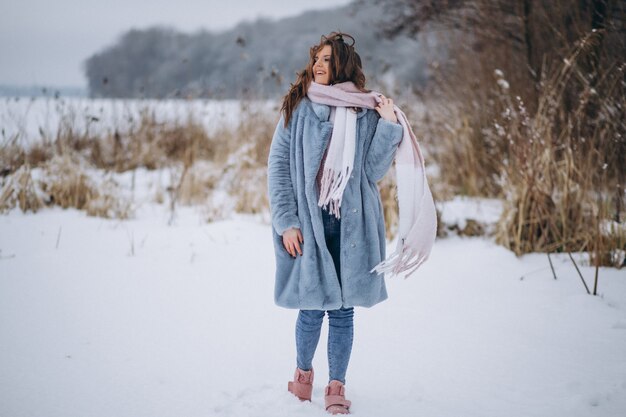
column 302, row 384
column 335, row 399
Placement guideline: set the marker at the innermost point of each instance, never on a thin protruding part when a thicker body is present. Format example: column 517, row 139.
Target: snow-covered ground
column 136, row 318
column 109, row 318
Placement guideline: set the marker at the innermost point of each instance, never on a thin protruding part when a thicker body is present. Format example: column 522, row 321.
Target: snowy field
column 28, row 120
column 136, row 318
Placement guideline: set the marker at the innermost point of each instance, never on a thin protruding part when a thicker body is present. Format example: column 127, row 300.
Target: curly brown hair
column 345, row 65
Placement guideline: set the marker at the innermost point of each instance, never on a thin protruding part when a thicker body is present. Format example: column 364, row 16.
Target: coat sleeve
column 382, row 149
column 283, row 206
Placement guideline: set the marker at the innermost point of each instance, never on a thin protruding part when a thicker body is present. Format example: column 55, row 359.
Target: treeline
column 255, row 59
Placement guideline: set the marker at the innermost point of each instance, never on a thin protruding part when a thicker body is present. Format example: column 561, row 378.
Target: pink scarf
column 417, row 226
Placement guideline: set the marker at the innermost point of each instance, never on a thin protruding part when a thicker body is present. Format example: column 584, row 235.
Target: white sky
column 44, row 42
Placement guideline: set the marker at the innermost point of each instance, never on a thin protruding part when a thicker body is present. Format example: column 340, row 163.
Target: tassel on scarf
column 339, row 161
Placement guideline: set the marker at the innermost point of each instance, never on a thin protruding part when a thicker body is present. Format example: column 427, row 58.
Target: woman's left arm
column 385, row 142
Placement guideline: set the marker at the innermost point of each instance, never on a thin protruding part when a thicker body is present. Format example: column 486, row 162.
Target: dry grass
column 66, row 183
column 19, row 190
column 557, row 160
column 389, row 199
column 244, row 172
column 198, row 183
column 63, row 181
column 556, row 197
column 562, row 175
column 527, row 105
column 231, row 158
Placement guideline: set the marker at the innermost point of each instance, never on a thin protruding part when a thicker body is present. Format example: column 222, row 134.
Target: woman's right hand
column 292, row 238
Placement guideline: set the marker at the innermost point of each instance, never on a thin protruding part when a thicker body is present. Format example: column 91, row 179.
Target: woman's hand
column 385, row 109
column 292, row 238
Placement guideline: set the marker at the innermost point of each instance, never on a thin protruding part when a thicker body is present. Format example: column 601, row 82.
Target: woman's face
column 321, row 65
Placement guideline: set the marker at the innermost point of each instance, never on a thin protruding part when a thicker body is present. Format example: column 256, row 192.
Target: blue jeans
column 341, row 325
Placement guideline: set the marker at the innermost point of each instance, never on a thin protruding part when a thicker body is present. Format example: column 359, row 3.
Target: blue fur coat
column 310, row 281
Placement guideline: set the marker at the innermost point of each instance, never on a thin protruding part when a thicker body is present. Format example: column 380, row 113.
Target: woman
column 328, row 225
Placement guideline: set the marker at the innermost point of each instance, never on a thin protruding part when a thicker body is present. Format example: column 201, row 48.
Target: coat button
column 353, row 245
column 354, row 210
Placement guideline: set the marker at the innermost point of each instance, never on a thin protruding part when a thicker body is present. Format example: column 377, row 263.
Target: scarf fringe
column 403, row 261
column 332, row 187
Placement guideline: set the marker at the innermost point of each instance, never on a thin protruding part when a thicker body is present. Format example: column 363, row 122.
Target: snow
column 461, row 208
column 32, row 119
column 504, row 84
column 140, row 318
column 136, row 318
